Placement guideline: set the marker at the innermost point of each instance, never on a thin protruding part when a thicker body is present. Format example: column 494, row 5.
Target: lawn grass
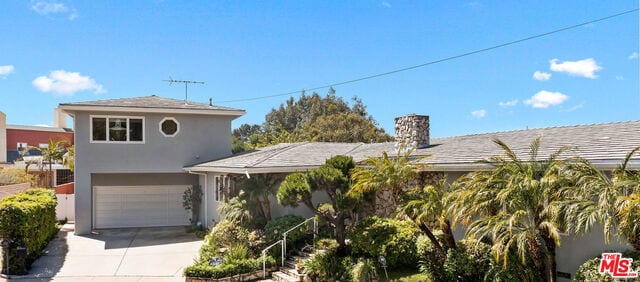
column 404, row 275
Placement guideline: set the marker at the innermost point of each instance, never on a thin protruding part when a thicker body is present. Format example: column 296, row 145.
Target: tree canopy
column 312, row 118
column 333, row 179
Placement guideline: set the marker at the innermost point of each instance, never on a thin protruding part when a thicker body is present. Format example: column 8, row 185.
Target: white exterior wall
column 65, row 208
column 3, row 138
column 209, row 207
column 575, row 250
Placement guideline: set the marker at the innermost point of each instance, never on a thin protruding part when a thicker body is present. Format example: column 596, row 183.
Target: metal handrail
column 264, row 257
column 284, row 235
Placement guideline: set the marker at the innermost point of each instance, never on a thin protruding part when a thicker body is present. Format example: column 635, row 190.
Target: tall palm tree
column 426, row 207
column 612, row 200
column 511, row 205
column 53, row 152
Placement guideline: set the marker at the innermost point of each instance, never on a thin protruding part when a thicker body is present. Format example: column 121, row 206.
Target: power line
column 436, row 61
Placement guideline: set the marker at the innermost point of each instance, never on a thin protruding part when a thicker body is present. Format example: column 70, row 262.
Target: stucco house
column 135, row 157
column 130, row 155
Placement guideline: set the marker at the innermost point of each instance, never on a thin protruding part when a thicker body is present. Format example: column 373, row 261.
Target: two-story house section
column 130, row 154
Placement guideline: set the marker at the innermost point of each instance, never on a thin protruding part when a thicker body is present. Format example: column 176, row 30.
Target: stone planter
column 251, row 276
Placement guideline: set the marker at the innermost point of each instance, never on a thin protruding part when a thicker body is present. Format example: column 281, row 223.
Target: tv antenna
column 186, row 85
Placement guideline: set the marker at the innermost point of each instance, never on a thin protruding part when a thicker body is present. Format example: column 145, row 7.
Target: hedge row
column 27, row 218
column 228, row 268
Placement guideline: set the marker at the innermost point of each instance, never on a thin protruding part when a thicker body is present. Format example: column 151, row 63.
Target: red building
column 22, row 136
column 15, row 137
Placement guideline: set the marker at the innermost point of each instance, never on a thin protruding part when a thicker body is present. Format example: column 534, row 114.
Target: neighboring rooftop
column 603, row 144
column 151, row 103
column 39, row 128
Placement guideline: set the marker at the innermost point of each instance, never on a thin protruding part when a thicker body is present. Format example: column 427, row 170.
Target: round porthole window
column 169, row 127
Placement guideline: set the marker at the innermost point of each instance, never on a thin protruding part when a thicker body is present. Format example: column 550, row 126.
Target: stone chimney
column 3, row 138
column 59, row 118
column 412, row 130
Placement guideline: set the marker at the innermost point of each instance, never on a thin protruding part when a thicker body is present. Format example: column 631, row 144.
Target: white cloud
column 61, row 82
column 585, row 68
column 6, row 70
column 386, row 4
column 508, row 103
column 619, row 77
column 633, row 56
column 479, row 113
column 43, row 125
column 542, row 76
column 46, row 8
column 544, row 99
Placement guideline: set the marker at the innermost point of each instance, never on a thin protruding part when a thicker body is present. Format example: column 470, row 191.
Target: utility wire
column 437, row 61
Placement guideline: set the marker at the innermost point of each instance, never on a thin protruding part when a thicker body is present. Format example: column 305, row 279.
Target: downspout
column 206, row 203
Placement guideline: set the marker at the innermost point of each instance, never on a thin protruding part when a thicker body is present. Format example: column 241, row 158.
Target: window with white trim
column 116, row 129
column 22, row 145
column 222, row 187
column 169, row 127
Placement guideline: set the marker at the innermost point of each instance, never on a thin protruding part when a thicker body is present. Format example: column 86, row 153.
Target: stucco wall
column 3, row 138
column 158, row 161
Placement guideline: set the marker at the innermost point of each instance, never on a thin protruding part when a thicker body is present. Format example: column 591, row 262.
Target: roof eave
column 600, row 164
column 89, row 108
column 250, row 170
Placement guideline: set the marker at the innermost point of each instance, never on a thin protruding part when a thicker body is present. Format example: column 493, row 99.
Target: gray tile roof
column 603, row 144
column 151, row 102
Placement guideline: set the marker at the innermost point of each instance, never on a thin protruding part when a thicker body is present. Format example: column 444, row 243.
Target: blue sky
column 64, row 51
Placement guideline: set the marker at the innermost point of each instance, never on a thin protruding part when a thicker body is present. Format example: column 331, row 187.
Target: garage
column 139, row 206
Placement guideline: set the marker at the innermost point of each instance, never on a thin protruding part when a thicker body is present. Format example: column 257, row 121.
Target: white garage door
column 138, row 206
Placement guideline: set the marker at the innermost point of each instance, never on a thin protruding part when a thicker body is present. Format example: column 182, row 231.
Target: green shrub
column 227, row 269
column 394, row 239
column 364, row 270
column 15, row 176
column 328, row 266
column 229, row 234
column 283, row 224
column 237, row 252
column 28, row 218
column 467, row 262
column 588, row 271
column 209, row 248
column 326, row 244
column 515, row 270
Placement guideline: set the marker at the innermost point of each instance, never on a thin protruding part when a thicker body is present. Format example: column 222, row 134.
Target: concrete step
column 291, row 264
column 293, row 273
column 279, row 276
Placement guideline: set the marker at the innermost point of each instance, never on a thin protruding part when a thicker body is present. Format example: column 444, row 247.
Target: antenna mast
column 186, row 85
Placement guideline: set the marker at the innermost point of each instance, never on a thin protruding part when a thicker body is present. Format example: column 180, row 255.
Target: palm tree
column 68, row 158
column 235, row 209
column 612, row 200
column 53, row 152
column 378, row 173
column 425, row 206
column 511, row 205
column 258, row 189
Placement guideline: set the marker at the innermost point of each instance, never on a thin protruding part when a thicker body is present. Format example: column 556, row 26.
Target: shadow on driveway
column 140, row 237
column 159, row 252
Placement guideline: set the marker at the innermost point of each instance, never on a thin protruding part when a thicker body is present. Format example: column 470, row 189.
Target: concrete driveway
column 129, row 254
